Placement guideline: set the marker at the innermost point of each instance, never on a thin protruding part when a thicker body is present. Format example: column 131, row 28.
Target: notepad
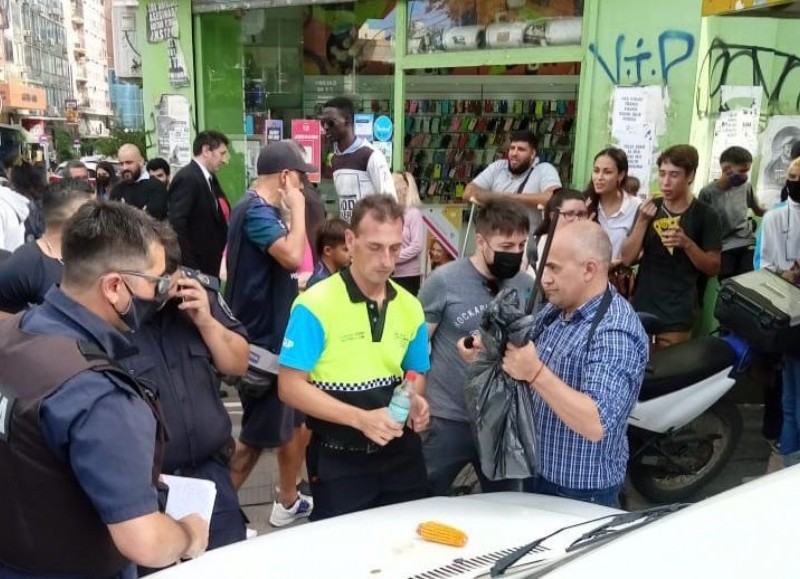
column 189, row 495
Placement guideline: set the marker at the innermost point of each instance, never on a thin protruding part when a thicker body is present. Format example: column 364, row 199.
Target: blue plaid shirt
column 610, row 370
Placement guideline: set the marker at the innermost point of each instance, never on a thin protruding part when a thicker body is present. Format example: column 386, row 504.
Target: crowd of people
column 117, row 333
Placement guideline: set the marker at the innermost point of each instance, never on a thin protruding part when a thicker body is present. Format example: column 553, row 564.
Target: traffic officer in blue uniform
column 79, row 437
column 183, row 349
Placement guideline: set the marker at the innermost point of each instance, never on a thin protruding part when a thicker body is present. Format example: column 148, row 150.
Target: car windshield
column 613, row 526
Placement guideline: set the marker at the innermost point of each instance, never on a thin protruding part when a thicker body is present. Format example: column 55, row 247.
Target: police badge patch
column 225, row 307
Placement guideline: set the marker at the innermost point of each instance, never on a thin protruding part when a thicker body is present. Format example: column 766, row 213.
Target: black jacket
column 148, row 194
column 195, row 214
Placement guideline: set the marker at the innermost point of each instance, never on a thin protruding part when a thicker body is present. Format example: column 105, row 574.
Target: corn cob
column 441, row 533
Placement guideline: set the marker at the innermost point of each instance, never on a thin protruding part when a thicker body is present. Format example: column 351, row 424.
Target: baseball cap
column 282, row 156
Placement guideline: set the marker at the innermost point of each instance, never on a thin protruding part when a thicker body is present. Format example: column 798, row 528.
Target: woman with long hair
column 408, row 271
column 106, row 178
column 612, row 208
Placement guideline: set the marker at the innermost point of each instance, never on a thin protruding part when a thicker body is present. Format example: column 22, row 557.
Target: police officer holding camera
column 185, row 345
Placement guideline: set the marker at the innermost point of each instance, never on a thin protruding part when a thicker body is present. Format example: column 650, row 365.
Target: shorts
column 266, row 421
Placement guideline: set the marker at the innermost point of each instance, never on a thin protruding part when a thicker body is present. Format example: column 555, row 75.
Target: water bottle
column 400, row 405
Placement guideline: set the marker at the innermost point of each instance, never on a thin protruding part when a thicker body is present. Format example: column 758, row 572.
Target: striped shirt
column 610, row 370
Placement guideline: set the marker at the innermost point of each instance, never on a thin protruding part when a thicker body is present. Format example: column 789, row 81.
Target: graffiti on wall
column 637, row 63
column 723, row 60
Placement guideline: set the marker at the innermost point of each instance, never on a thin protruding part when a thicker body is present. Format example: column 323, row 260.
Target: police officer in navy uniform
column 78, row 435
column 184, row 348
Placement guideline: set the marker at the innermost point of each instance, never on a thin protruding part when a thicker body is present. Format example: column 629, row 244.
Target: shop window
column 297, row 58
column 458, row 25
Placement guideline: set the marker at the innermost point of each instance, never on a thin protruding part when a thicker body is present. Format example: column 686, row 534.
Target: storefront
column 454, row 79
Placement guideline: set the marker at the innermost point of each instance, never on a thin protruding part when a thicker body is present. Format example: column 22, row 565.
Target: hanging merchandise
column 464, row 38
column 506, row 34
column 555, row 31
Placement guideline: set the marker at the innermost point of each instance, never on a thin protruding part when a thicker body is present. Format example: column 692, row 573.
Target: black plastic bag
column 500, row 407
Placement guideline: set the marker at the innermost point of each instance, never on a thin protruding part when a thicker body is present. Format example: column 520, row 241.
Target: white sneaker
column 281, row 516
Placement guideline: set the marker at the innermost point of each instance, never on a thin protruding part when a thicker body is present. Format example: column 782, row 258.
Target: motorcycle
column 683, row 430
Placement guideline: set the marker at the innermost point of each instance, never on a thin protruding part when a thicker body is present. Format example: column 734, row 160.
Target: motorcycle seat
column 682, row 365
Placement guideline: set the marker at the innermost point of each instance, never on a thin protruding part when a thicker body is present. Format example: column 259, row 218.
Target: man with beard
column 522, row 175
column 359, row 170
column 136, row 187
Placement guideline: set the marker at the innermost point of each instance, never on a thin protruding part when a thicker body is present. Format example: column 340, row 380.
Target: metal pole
column 538, row 291
column 469, row 226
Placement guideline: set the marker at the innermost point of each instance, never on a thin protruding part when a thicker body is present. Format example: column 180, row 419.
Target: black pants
column 345, row 482
column 736, row 262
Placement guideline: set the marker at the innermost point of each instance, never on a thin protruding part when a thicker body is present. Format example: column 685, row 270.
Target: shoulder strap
column 525, row 181
column 602, row 309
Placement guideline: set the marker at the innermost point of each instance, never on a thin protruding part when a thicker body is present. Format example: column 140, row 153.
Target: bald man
column 136, row 187
column 585, row 365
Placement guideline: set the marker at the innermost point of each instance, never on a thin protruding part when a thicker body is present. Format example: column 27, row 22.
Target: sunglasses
column 162, row 281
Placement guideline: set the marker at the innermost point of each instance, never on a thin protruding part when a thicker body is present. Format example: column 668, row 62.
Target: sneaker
column 281, row 516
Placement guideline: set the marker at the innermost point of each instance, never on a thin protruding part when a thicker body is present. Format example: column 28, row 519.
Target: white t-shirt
column 496, row 177
column 619, row 225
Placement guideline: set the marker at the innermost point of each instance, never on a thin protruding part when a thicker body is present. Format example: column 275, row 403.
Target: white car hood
column 382, row 543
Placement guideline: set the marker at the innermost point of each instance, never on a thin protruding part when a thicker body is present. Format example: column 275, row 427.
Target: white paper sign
column 634, row 107
column 638, row 145
column 737, row 124
column 776, row 147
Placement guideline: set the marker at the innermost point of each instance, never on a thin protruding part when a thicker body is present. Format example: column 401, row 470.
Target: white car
column 749, row 531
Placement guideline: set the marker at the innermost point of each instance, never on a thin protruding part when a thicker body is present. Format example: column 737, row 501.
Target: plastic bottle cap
column 411, row 376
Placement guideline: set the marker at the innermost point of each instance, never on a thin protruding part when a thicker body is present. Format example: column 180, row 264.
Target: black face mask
column 102, row 180
column 506, row 264
column 140, row 310
column 793, row 189
column 736, row 179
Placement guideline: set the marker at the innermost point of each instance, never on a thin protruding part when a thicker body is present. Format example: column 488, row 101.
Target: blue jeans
column 790, row 432
column 607, row 497
column 449, row 446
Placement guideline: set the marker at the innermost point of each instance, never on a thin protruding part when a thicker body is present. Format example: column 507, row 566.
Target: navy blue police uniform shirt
column 174, row 360
column 26, row 276
column 96, row 422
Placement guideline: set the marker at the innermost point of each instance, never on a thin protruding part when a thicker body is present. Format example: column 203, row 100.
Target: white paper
column 638, row 143
column 188, row 496
column 636, row 107
column 737, row 124
column 776, row 144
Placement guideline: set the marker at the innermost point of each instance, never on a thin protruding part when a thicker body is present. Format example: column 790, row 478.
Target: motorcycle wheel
column 703, row 447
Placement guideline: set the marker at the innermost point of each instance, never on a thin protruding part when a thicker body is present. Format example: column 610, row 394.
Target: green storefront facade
column 555, row 64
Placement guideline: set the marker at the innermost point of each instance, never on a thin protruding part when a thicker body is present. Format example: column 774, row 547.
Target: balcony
column 77, row 11
column 79, row 48
column 80, row 73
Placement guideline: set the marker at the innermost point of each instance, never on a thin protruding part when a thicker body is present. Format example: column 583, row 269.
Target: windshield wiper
column 601, row 532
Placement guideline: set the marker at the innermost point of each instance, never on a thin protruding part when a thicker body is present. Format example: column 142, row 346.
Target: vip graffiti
column 636, row 64
column 726, row 64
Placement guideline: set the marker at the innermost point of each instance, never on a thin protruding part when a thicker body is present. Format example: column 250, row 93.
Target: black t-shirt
column 26, row 276
column 149, row 194
column 666, row 284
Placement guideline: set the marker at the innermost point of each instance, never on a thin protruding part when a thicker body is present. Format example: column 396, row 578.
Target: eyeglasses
column 162, row 281
column 573, row 215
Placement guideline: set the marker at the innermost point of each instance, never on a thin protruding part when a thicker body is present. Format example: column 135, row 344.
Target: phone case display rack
column 448, row 142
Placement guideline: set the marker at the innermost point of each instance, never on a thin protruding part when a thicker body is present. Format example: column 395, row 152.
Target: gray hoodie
column 14, row 210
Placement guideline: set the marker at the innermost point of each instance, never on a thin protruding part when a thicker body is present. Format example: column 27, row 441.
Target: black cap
column 282, row 156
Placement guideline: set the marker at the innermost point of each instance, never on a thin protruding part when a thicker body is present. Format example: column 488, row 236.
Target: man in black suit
column 198, row 208
column 136, row 187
